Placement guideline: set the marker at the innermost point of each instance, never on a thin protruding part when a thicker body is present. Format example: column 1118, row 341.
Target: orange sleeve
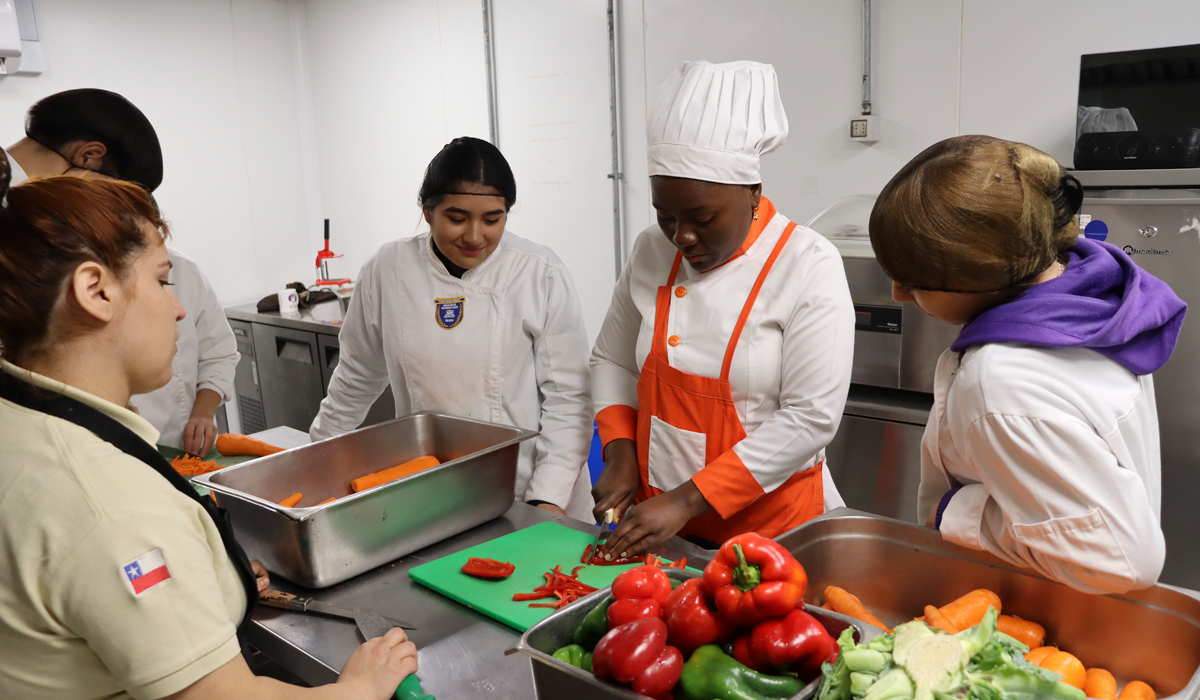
column 617, row 421
column 727, row 484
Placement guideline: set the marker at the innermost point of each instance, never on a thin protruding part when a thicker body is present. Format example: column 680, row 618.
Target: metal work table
column 461, row 650
column 322, row 318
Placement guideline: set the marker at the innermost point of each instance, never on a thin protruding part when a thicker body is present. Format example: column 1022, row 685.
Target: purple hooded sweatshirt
column 1103, row 301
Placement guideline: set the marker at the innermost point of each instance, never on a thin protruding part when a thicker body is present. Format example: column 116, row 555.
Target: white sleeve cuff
column 962, row 521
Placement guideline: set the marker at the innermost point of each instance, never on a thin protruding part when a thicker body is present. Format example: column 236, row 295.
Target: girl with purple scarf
column 1042, row 446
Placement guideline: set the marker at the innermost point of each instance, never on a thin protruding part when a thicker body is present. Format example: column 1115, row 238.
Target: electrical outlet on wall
column 866, row 128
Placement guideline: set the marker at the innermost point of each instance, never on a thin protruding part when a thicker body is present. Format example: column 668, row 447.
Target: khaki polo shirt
column 112, row 583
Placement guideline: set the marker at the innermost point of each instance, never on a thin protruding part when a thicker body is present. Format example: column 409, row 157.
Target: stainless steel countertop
column 461, row 652
column 305, row 321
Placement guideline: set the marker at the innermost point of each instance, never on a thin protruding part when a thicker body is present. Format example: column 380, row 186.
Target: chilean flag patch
column 147, row 571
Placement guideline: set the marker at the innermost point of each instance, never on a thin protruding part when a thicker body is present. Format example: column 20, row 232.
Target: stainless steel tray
column 554, row 679
column 897, row 568
column 320, row 546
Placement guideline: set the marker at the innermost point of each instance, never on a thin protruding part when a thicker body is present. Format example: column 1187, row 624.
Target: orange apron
column 704, row 405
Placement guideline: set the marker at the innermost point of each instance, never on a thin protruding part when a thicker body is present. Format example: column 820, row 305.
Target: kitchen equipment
column 602, row 529
column 320, row 545
column 371, row 624
column 554, row 679
column 323, row 257
column 1160, row 230
column 213, row 456
column 287, row 601
column 896, row 569
column 533, row 551
column 875, row 457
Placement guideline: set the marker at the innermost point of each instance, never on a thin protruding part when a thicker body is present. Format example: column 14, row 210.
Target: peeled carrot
column 187, row 465
column 1035, row 656
column 967, row 611
column 1137, row 690
column 231, row 444
column 826, row 606
column 1070, row 667
column 1100, row 684
column 292, row 500
column 1031, row 634
column 847, row 604
column 412, row 466
column 327, row 500
column 935, row 618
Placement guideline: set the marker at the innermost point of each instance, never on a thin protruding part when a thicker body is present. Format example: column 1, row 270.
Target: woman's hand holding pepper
column 650, row 522
column 618, row 483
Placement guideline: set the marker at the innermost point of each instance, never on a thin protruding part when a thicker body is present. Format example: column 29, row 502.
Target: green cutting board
column 213, row 456
column 533, row 551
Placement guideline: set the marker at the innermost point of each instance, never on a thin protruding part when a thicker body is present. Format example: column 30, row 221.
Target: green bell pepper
column 711, row 674
column 594, row 626
column 575, row 655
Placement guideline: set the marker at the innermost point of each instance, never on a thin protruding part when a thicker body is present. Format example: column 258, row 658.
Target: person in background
column 117, row 579
column 471, row 320
column 723, row 365
column 1042, row 446
column 100, row 134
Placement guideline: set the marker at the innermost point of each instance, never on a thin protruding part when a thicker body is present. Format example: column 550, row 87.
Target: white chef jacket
column 207, row 354
column 1057, row 453
column 17, row 173
column 504, row 344
column 791, row 369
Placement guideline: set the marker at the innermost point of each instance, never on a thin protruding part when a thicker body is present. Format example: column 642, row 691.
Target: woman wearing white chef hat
column 469, row 319
column 722, row 368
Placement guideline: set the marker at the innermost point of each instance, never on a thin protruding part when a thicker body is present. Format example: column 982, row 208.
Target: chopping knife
column 371, row 624
column 286, row 601
column 603, row 530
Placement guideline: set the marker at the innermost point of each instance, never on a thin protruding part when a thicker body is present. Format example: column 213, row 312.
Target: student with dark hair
column 1042, row 446
column 88, row 132
column 471, row 320
column 117, row 579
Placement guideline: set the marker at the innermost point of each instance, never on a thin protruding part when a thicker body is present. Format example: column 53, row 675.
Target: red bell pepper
column 796, row 642
column 637, row 654
column 753, row 578
column 692, row 622
column 488, row 568
column 637, row 593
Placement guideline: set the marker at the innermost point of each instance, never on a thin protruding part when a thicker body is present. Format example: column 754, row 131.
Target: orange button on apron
column 674, row 340
column 681, row 292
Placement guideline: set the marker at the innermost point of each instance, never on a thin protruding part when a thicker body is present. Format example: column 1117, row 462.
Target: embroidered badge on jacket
column 147, row 571
column 449, row 311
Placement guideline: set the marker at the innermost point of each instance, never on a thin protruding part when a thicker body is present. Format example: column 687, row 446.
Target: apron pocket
column 675, row 455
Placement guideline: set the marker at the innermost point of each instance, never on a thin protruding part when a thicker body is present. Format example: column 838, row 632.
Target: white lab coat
column 1057, row 453
column 17, row 174
column 791, row 370
column 207, row 354
column 514, row 352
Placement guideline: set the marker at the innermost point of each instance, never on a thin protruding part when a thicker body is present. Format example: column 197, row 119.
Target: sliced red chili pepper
column 488, row 568
column 532, row 596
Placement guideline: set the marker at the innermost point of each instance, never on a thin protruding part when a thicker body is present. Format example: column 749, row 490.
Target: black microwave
column 1139, row 110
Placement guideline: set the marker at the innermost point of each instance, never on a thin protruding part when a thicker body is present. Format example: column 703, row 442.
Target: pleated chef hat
column 712, row 121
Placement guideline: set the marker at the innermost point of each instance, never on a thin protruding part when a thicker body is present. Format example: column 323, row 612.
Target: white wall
column 392, row 83
column 214, row 77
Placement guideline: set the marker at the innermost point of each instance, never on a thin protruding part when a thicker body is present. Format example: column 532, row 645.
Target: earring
column 756, row 213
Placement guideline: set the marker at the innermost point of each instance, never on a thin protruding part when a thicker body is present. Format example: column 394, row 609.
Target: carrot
column 231, row 444
column 935, row 618
column 1100, row 684
column 1137, row 690
column 968, row 610
column 1035, row 656
column 1070, row 667
column 1029, row 633
column 847, row 604
column 327, row 500
column 292, row 500
column 187, row 465
column 826, row 606
column 412, row 466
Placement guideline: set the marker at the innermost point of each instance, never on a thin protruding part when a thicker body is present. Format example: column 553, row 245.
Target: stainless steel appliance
column 245, row 380
column 1160, row 230
column 875, row 458
column 320, row 545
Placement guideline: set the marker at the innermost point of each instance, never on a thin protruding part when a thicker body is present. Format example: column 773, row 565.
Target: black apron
column 111, row 431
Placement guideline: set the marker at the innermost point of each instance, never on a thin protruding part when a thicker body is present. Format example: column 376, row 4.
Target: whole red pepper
column 691, row 621
column 637, row 593
column 753, row 578
column 637, row 654
column 796, row 642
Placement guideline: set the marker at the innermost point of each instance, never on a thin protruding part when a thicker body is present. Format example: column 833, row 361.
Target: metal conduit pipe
column 866, row 79
column 615, row 175
column 489, row 58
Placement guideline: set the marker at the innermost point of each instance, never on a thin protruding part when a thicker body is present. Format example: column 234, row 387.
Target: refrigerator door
column 1160, row 230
